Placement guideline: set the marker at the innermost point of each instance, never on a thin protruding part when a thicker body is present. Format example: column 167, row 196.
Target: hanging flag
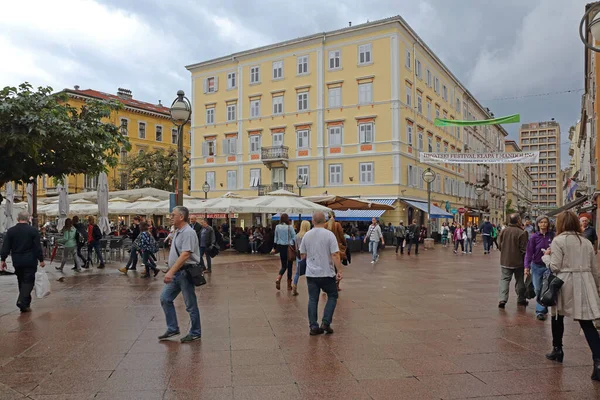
column 509, row 119
column 522, row 157
column 572, row 188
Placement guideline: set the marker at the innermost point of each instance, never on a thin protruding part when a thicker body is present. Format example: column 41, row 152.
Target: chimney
column 350, row 23
column 76, row 87
column 124, row 93
column 159, row 103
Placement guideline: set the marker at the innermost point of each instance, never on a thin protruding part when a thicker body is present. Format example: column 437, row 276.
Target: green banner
column 509, row 119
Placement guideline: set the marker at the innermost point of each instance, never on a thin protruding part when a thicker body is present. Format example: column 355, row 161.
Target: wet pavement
column 418, row 327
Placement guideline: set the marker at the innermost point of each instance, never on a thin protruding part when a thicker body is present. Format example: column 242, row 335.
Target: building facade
column 148, row 127
column 345, row 112
column 519, row 184
column 547, row 184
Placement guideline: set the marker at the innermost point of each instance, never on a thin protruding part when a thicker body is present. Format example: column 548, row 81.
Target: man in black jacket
column 133, row 233
column 196, row 226
column 94, row 236
column 23, row 243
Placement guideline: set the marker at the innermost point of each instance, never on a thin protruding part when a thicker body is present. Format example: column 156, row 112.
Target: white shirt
column 319, row 244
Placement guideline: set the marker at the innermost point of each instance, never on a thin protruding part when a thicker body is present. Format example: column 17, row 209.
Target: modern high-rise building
column 546, row 176
column 518, row 184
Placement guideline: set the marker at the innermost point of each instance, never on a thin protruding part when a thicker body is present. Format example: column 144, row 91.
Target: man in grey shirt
column 320, row 249
column 184, row 253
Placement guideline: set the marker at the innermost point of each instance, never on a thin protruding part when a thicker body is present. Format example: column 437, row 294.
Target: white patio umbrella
column 63, row 206
column 103, row 222
column 8, row 208
column 29, row 191
column 282, row 203
column 78, row 207
column 148, row 205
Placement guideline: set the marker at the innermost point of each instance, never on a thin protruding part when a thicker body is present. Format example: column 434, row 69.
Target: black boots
column 596, row 373
column 556, row 354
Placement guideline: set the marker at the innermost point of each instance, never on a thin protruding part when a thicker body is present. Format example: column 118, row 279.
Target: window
column 364, row 54
column 302, row 65
column 418, row 69
column 335, row 135
column 231, row 180
column 335, row 174
column 412, row 176
column 430, row 144
column 458, row 105
column 231, row 81
column 303, row 139
column 255, row 143
column 210, row 179
column 366, row 173
column 365, row 93
column 407, row 62
column 420, row 140
column 254, row 108
column 142, row 130
column 210, row 116
column 408, row 95
column 436, row 85
column 254, row 177
column 231, row 112
column 437, row 112
column 124, row 180
column 428, row 73
column 124, row 124
column 255, row 74
column 335, row 97
column 230, row 146
column 419, row 102
column 123, row 155
column 303, row 101
column 91, row 181
column 438, row 147
column 209, row 148
column 174, row 136
column 409, row 133
column 444, row 92
column 429, row 110
column 158, row 133
column 278, row 105
column 211, row 84
column 335, row 59
column 303, row 172
column 277, row 139
column 365, row 133
column 277, row 69
column 445, row 147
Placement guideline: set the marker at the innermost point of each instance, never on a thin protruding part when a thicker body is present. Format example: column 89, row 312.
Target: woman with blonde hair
column 571, row 258
column 304, row 227
column 336, row 228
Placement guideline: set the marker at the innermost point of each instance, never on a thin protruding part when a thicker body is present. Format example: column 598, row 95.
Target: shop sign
column 454, row 211
column 462, row 210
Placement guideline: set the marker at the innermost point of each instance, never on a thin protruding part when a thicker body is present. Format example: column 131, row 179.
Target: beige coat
column 573, row 261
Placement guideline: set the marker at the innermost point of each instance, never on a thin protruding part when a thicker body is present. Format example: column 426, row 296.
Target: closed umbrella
column 63, row 206
column 103, row 222
column 8, row 209
column 29, row 190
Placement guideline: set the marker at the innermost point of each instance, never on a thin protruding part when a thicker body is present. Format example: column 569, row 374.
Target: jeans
column 96, row 246
column 589, row 330
column 148, row 261
column 462, row 244
column 410, row 243
column 26, row 282
column 79, row 247
column 253, row 246
column 297, row 274
column 203, row 254
column 506, row 277
column 69, row 251
column 400, row 244
column 487, row 242
column 285, row 263
column 373, row 249
column 537, row 277
column 469, row 245
column 315, row 285
column 180, row 284
column 133, row 258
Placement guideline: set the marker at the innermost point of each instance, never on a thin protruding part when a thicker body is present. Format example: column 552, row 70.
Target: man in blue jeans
column 184, row 253
column 320, row 249
column 374, row 235
column 486, row 234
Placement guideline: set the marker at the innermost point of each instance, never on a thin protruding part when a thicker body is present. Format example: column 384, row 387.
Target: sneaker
column 326, row 328
column 464, row 252
column 377, row 258
column 167, row 335
column 314, row 331
column 372, row 262
column 540, row 317
column 502, row 304
column 470, row 252
column 190, row 338
column 454, row 251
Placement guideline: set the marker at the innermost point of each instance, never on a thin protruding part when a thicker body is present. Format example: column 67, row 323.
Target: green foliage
column 41, row 134
column 157, row 169
column 509, row 209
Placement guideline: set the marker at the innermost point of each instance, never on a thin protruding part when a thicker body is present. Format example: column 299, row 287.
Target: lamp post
column 181, row 111
column 479, row 192
column 503, row 199
column 429, row 177
column 205, row 189
column 593, row 27
column 300, row 183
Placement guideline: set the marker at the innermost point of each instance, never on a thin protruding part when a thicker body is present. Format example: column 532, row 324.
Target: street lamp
column 503, row 199
column 593, row 27
column 429, row 177
column 181, row 111
column 479, row 192
column 205, row 189
column 300, row 183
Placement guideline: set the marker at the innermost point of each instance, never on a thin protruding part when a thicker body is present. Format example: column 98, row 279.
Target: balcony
column 275, row 156
column 266, row 189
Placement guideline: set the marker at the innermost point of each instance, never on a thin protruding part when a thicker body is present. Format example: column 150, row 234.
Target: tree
column 41, row 134
column 509, row 209
column 157, row 169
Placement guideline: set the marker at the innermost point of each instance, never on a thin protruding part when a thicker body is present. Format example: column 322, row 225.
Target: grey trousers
column 506, row 277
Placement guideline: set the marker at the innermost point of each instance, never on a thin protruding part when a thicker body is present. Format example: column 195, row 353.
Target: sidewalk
column 418, row 327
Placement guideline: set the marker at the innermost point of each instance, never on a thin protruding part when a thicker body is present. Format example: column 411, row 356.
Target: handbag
column 213, row 251
column 291, row 251
column 302, row 267
column 529, row 288
column 548, row 295
column 193, row 272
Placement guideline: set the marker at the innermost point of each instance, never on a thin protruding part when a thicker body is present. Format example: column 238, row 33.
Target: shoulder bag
column 291, row 252
column 548, row 295
column 193, row 272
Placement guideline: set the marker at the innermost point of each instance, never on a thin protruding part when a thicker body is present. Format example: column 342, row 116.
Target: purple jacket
column 536, row 243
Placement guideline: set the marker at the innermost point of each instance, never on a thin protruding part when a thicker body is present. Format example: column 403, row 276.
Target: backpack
column 411, row 232
column 80, row 239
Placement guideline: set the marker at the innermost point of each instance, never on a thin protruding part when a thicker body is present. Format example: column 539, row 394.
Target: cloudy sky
column 501, row 50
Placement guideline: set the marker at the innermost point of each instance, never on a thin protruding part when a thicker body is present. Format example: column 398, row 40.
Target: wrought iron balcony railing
column 274, row 153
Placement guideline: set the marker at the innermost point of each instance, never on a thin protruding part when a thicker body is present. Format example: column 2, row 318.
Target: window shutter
column 205, row 85
column 216, row 83
column 233, row 145
column 204, row 149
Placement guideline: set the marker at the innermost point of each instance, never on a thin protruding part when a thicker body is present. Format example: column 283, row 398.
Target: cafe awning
column 573, row 204
column 436, row 212
column 352, row 215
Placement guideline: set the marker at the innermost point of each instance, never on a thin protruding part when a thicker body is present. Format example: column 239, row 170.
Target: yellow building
column 518, row 183
column 147, row 125
column 347, row 111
